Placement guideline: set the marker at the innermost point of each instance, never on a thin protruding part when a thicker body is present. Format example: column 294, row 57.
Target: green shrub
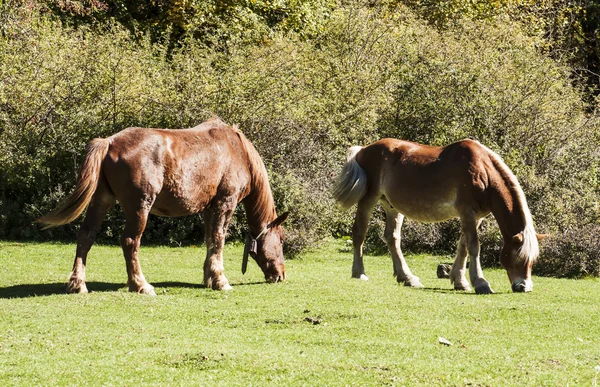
column 573, row 254
column 366, row 72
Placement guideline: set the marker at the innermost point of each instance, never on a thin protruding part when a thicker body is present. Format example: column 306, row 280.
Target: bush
column 573, row 254
column 367, row 72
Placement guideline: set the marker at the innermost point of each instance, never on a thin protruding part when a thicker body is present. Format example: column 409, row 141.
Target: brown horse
column 209, row 168
column 432, row 184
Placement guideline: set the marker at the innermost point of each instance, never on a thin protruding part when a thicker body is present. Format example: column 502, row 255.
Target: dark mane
column 259, row 201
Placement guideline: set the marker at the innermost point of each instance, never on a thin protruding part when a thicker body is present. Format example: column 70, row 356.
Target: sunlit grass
column 318, row 328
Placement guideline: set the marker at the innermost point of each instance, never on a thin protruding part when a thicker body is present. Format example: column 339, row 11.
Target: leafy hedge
column 365, row 73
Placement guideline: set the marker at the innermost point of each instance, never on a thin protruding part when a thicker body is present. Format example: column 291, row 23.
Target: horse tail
column 86, row 185
column 351, row 184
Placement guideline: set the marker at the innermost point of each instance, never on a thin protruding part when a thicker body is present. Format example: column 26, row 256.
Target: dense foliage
column 304, row 80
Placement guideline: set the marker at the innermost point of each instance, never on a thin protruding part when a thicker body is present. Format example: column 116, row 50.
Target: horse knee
column 388, row 234
column 391, row 236
column 127, row 242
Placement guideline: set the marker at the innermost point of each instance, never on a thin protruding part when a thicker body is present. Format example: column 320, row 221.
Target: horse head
column 267, row 250
column 517, row 259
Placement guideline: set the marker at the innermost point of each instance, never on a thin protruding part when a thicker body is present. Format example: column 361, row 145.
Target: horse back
column 180, row 171
column 428, row 183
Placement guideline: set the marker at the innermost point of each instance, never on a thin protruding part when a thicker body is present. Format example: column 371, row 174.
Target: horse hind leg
column 101, row 202
column 392, row 233
column 459, row 267
column 359, row 232
column 135, row 223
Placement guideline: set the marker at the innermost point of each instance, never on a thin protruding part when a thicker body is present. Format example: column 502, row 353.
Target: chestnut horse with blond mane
column 209, row 168
column 433, row 184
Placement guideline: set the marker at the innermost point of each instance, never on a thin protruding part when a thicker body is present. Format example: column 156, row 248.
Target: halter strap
column 251, row 247
column 263, row 232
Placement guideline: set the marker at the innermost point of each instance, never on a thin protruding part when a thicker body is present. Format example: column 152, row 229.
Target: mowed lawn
column 319, row 328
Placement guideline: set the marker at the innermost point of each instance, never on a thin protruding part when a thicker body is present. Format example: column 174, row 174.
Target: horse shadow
column 459, row 292
column 49, row 289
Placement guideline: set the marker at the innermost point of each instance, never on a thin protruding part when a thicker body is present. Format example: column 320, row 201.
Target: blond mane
column 530, row 250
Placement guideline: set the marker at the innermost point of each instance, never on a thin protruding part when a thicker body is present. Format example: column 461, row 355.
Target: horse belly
column 432, row 212
column 174, row 209
column 425, row 209
column 178, row 202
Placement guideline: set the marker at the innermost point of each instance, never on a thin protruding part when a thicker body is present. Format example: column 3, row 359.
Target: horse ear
column 541, row 237
column 280, row 219
column 518, row 238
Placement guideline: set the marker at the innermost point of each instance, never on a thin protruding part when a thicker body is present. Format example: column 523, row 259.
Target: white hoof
column 363, row 277
column 148, row 289
column 413, row 282
column 227, row 287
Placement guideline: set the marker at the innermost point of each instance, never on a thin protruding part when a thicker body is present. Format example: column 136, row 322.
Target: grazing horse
column 433, row 184
column 209, row 168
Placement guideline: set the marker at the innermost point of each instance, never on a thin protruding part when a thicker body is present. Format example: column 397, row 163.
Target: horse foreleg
column 86, row 236
column 135, row 223
column 459, row 268
column 216, row 220
column 469, row 230
column 393, row 226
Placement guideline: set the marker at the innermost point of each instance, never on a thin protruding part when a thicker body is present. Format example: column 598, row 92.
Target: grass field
column 319, row 328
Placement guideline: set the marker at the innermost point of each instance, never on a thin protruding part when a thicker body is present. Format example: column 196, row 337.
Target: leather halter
column 251, row 247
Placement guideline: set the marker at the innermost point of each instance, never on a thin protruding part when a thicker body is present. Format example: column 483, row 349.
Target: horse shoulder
column 479, row 174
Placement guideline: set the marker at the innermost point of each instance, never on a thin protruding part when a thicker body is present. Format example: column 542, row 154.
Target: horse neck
column 508, row 210
column 259, row 206
column 511, row 211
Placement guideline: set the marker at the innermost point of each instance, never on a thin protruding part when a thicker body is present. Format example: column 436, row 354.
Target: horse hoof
column 147, row 289
column 414, row 282
column 484, row 289
column 220, row 286
column 363, row 277
column 77, row 287
column 462, row 288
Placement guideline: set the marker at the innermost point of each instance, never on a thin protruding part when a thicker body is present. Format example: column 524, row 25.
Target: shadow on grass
column 461, row 292
column 38, row 290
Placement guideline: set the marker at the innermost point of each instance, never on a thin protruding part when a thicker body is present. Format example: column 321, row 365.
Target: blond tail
column 87, row 182
column 351, row 184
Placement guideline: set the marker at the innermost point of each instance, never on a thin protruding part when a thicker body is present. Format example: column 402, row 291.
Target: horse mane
column 260, row 199
column 212, row 122
column 530, row 250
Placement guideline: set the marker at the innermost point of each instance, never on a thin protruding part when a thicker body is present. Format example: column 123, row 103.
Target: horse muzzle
column 522, row 286
column 275, row 278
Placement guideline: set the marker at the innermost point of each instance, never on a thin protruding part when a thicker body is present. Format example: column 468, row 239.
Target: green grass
column 369, row 333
